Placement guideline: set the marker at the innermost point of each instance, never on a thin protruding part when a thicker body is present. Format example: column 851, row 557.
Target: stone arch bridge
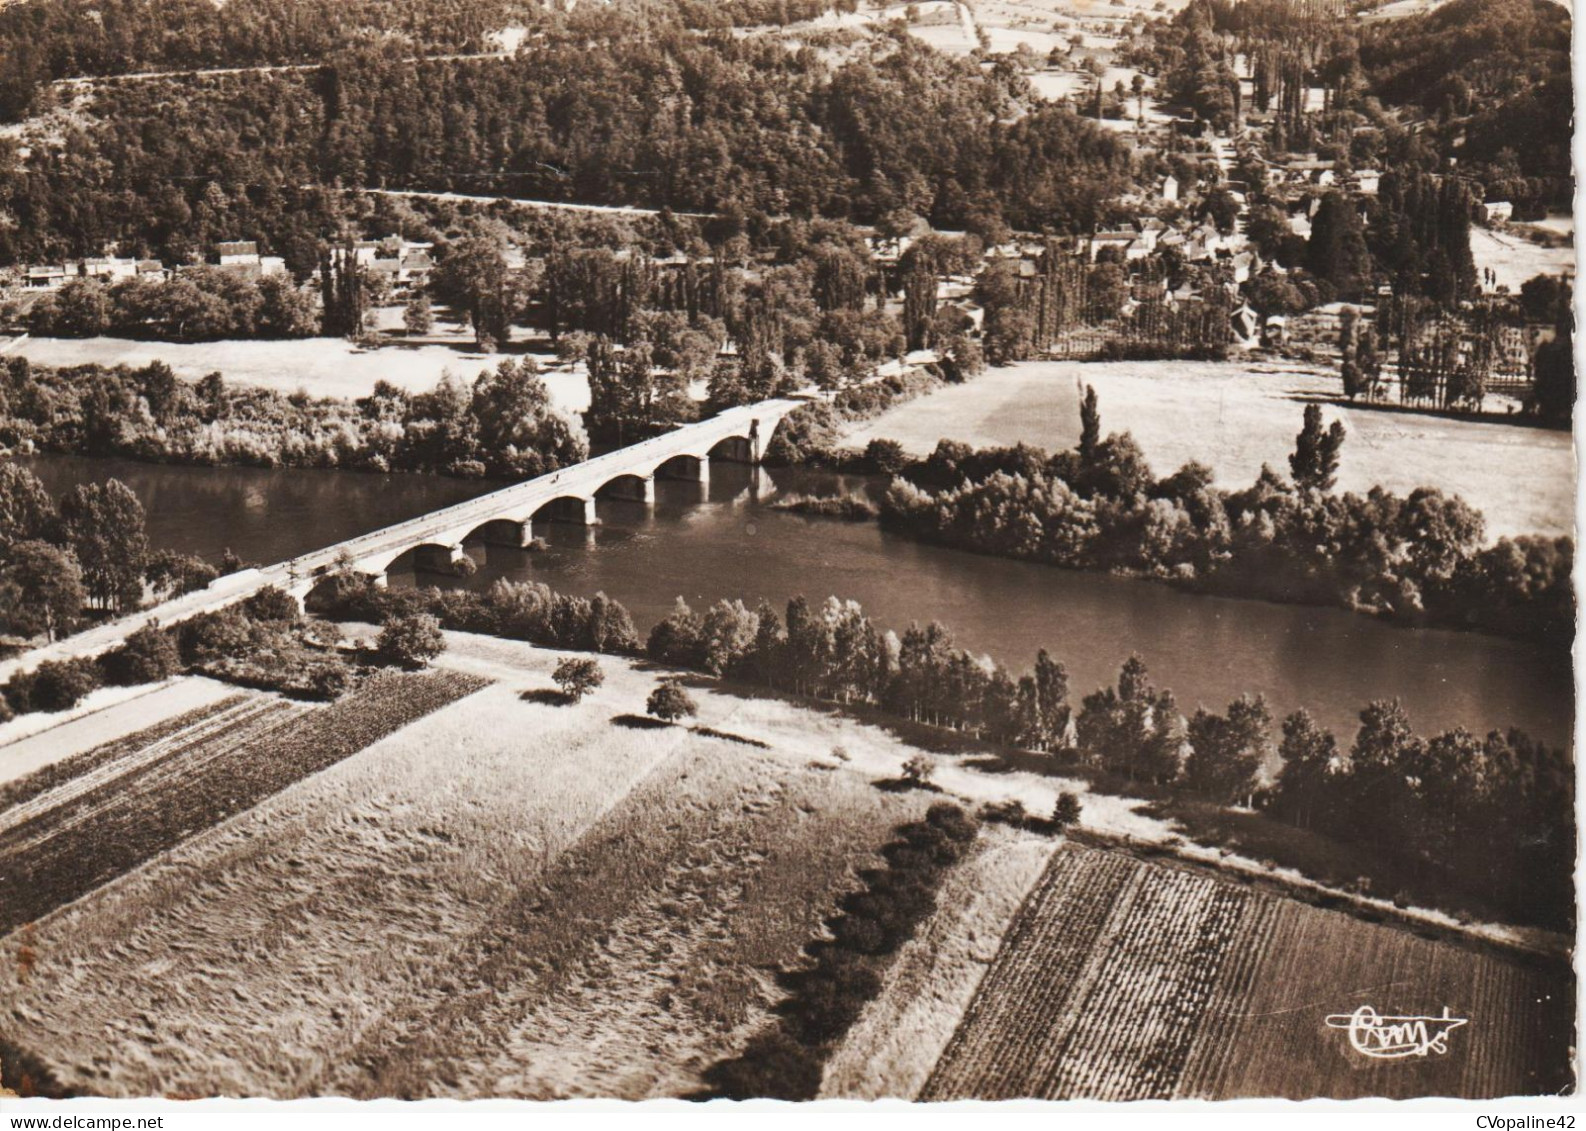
column 507, row 515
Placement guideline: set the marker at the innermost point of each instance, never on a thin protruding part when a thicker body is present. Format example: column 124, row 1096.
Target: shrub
column 329, row 681
column 410, row 641
column 577, row 677
column 670, row 702
column 919, row 770
column 828, row 998
column 59, row 685
column 886, row 456
column 148, row 655
column 772, row 1066
column 209, row 636
column 1009, row 812
column 958, row 825
column 272, row 604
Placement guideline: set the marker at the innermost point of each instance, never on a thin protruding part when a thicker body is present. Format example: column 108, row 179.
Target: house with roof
column 109, row 268
column 1121, row 241
column 1365, row 181
column 47, row 276
column 236, row 253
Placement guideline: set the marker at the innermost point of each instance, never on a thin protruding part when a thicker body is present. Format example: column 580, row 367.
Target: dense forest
column 1486, row 82
column 43, row 41
column 600, row 111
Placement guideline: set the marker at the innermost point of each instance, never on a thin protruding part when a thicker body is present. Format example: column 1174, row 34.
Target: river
column 728, row 543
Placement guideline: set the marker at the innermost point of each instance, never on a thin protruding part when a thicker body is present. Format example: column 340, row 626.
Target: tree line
column 200, row 304
column 1431, row 804
column 502, row 424
column 1488, row 817
column 1420, row 559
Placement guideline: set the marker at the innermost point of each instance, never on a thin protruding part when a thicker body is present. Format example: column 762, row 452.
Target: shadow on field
column 904, row 785
column 1489, row 416
column 728, row 736
column 547, row 697
column 639, row 722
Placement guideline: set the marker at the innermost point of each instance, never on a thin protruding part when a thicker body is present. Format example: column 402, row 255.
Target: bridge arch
column 504, row 531
column 422, row 557
column 567, row 508
column 736, row 449
column 684, row 465
column 630, row 486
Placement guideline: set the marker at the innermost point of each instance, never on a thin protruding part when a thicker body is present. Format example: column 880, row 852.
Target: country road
column 80, row 81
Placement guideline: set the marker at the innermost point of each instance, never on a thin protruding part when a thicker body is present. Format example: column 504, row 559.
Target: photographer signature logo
column 1392, row 1038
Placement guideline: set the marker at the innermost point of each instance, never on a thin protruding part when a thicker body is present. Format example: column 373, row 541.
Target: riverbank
column 1235, row 416
column 725, row 541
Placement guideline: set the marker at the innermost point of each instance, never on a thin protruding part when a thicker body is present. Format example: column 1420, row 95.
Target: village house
column 242, row 257
column 103, row 268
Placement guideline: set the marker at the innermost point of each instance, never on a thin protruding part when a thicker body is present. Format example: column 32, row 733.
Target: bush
column 886, row 456
column 55, row 685
column 209, row 636
column 958, row 825
column 150, row 654
column 670, row 702
column 828, row 998
column 271, row 605
column 410, row 641
column 1011, row 812
column 329, row 681
column 577, row 677
column 919, row 770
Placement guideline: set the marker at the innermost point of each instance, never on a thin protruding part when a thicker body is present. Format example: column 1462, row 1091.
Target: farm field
column 1124, row 980
column 322, row 367
column 573, row 902
column 32, row 741
column 565, row 906
column 1235, row 416
column 68, row 828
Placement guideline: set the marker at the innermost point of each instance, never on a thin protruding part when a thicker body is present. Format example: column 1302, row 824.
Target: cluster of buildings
column 402, row 263
column 237, row 256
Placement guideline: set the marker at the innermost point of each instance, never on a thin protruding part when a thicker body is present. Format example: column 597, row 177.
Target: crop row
column 1144, row 1004
column 54, row 811
column 48, row 777
column 59, row 855
column 1021, row 1000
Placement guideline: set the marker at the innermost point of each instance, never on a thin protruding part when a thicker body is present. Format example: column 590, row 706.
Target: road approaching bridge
column 435, row 539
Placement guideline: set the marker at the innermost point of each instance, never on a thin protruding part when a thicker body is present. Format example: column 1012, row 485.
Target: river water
column 726, row 542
